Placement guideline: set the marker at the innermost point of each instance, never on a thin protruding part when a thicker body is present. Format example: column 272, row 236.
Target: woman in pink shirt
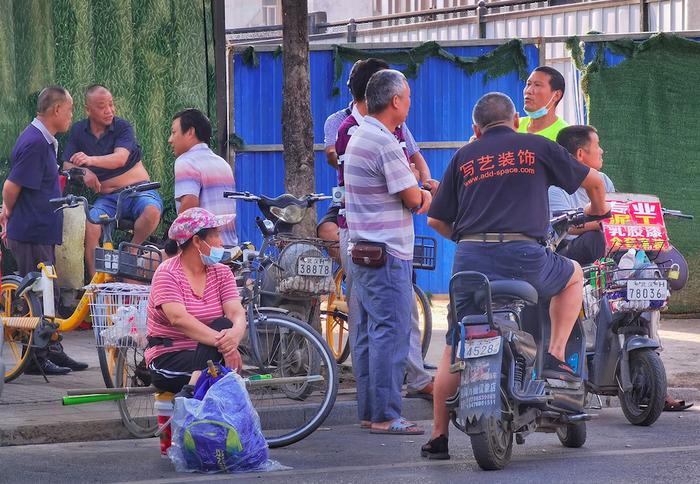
column 194, row 310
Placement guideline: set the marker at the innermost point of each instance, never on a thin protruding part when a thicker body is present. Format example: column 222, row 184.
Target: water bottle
column 164, row 409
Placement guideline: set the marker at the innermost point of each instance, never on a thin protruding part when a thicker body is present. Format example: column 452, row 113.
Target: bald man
column 106, row 147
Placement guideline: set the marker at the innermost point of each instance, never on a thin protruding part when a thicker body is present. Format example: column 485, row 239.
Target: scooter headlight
column 291, row 214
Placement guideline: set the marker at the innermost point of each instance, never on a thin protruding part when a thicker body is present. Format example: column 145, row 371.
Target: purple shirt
column 34, row 167
column 375, row 173
column 119, row 134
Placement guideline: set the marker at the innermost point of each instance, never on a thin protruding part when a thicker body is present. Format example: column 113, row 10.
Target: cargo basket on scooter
column 118, row 312
column 131, row 261
column 606, row 279
column 302, row 266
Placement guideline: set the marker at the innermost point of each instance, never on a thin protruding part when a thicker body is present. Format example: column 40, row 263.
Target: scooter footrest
column 536, row 388
column 564, row 385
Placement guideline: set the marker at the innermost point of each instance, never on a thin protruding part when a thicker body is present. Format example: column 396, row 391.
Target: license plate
column 314, row 266
column 647, row 290
column 476, row 348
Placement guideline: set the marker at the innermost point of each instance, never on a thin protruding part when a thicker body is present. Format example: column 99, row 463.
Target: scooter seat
column 514, row 289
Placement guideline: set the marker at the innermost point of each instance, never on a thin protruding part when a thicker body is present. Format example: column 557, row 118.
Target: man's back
column 202, row 173
column 499, row 183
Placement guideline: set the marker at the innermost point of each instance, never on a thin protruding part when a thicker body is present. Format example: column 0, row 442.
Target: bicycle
column 336, row 307
column 30, row 320
column 290, row 373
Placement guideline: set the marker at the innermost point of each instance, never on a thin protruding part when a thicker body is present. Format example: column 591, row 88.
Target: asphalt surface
column 615, row 451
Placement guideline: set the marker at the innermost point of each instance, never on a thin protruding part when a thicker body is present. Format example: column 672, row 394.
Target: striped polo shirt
column 204, row 174
column 375, row 172
column 170, row 285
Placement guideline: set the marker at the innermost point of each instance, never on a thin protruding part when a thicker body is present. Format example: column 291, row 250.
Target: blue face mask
column 540, row 113
column 214, row 257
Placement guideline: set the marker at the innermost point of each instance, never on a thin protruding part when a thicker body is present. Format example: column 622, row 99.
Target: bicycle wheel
column 18, row 342
column 337, row 331
column 108, row 358
column 299, row 377
column 425, row 318
column 137, row 411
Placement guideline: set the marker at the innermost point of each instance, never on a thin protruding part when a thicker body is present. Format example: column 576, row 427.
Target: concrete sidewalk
column 31, row 411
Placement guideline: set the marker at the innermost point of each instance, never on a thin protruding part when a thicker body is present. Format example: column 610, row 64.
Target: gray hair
column 381, row 89
column 493, row 108
column 49, row 97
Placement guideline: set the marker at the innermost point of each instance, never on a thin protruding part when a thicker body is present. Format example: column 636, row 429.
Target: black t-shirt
column 499, row 183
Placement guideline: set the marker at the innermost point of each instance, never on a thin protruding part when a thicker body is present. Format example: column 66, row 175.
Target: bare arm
column 192, row 328
column 589, row 227
column 188, row 201
column 595, row 188
column 441, row 227
column 331, row 156
column 10, row 194
column 416, row 199
column 116, row 160
column 89, row 178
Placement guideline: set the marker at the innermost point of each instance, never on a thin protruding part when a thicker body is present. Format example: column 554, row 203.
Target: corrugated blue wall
column 442, row 97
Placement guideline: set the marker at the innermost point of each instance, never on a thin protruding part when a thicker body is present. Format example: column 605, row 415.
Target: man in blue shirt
column 106, row 147
column 30, row 226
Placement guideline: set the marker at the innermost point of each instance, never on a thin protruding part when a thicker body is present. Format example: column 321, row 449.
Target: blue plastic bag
column 220, row 433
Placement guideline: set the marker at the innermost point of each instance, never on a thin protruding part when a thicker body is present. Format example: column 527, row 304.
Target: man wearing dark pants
column 493, row 201
column 30, row 226
column 381, row 191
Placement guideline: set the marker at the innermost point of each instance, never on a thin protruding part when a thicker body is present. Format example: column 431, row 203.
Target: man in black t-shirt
column 493, row 201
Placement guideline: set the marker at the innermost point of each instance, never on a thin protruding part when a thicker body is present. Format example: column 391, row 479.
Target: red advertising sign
column 636, row 222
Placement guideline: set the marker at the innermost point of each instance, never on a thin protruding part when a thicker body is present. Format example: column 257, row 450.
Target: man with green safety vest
column 543, row 91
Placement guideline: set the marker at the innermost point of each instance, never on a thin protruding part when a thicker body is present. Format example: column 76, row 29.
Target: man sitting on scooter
column 586, row 244
column 493, row 201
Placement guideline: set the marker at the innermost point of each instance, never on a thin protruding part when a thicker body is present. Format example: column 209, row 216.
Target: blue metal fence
column 442, row 96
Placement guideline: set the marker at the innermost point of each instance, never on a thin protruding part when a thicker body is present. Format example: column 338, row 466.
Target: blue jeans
column 381, row 339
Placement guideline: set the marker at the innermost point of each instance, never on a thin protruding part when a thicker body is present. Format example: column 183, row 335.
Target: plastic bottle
column 626, row 264
column 164, row 409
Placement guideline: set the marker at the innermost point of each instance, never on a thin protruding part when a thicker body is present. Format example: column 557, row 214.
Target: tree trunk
column 297, row 124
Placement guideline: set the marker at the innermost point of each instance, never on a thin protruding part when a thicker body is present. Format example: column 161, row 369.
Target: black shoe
column 60, row 358
column 186, row 392
column 436, row 449
column 48, row 367
column 556, row 369
column 428, row 366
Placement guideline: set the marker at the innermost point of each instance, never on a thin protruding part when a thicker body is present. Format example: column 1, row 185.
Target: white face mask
column 214, row 257
column 540, row 113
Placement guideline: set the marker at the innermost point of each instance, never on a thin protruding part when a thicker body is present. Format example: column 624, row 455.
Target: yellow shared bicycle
column 27, row 304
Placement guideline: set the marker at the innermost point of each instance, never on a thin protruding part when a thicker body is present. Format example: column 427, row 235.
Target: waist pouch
column 369, row 254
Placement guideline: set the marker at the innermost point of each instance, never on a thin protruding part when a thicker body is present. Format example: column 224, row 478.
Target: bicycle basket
column 132, row 261
column 118, row 312
column 424, row 249
column 302, row 267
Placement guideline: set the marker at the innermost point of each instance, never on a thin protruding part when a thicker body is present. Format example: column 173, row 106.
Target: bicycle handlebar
column 676, row 213
column 72, row 201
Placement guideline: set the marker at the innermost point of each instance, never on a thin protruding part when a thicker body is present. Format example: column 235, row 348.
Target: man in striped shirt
column 381, row 192
column 201, row 176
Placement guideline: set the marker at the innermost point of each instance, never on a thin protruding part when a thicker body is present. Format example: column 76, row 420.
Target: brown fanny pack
column 369, row 254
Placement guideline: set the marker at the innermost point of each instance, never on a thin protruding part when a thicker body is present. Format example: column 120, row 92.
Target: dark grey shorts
column 28, row 256
column 547, row 271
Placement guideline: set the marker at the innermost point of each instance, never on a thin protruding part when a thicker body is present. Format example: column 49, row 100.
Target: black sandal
column 436, row 449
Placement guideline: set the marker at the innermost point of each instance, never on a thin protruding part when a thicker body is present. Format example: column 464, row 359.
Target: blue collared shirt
column 119, row 134
column 50, row 139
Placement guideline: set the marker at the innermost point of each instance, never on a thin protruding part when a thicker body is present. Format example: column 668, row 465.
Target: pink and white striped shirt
column 170, row 285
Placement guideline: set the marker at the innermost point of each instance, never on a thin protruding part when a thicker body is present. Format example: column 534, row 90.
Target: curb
column 343, row 413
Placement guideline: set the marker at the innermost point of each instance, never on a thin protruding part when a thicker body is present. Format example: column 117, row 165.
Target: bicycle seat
column 511, row 289
column 125, row 224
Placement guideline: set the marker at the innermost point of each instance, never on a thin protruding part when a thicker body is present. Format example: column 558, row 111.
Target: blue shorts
column 547, row 271
column 132, row 206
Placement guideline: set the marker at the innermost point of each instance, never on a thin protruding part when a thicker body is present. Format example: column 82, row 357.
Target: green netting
column 647, row 112
column 155, row 56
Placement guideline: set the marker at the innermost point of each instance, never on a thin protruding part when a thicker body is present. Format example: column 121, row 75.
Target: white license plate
column 647, row 290
column 314, row 266
column 476, row 348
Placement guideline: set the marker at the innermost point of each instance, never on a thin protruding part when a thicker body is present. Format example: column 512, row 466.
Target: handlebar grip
column 230, row 194
column 147, row 186
column 59, row 202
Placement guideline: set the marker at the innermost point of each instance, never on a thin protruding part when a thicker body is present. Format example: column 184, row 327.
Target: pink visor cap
column 192, row 220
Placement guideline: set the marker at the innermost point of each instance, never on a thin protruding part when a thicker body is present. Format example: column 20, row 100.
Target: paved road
column 615, row 452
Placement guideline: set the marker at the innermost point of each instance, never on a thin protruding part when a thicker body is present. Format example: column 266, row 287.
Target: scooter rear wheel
column 644, row 403
column 493, row 447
